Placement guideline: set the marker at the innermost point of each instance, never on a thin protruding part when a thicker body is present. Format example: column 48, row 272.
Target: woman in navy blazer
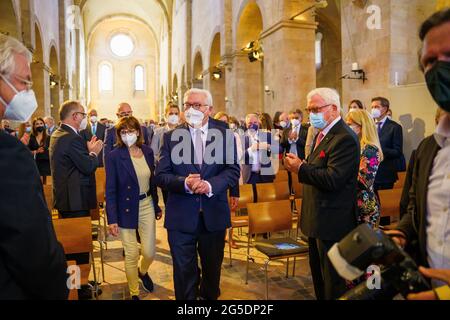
column 132, row 201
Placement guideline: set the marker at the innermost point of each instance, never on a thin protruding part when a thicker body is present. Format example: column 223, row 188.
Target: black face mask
column 40, row 129
column 438, row 82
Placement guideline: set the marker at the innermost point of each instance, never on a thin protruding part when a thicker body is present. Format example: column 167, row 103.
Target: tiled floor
column 233, row 285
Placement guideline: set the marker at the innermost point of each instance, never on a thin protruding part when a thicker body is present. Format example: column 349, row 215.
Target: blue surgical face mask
column 318, row 121
column 253, row 126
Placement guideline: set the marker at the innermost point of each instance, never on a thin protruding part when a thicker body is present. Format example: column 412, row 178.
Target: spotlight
column 254, row 50
column 217, row 75
column 53, row 81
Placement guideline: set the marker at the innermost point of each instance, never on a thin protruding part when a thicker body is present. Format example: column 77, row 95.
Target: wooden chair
column 390, row 204
column 282, row 176
column 99, row 213
column 401, row 180
column 272, row 217
column 297, row 189
column 267, row 192
column 75, row 235
column 237, row 219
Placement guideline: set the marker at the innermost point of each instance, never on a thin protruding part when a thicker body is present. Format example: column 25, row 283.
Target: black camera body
column 365, row 247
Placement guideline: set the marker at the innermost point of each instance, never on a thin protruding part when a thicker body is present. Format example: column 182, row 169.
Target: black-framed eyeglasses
column 196, row 106
column 316, row 109
column 127, row 131
column 82, row 113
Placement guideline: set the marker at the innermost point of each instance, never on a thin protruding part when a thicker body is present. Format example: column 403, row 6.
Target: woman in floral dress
column 371, row 155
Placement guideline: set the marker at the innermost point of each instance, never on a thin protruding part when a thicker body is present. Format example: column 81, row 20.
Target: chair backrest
column 245, row 195
column 273, row 216
column 298, row 205
column 48, row 194
column 282, row 176
column 401, row 180
column 297, row 189
column 100, row 181
column 267, row 192
column 390, row 203
column 74, row 234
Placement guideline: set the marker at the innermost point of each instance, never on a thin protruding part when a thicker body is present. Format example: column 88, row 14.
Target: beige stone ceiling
column 155, row 13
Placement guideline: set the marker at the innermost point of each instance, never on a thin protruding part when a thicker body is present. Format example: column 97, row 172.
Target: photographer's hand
column 443, row 275
column 398, row 236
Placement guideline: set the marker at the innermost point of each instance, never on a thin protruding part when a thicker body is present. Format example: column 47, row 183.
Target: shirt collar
column 442, row 132
column 330, row 126
column 383, row 121
column 75, row 130
column 204, row 128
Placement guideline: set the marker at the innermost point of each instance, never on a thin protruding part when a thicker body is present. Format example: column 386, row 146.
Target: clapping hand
column 95, row 145
column 292, row 163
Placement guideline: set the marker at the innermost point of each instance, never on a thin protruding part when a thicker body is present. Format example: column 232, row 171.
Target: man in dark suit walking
column 32, row 262
column 329, row 210
column 197, row 165
column 124, row 110
column 94, row 129
column 391, row 139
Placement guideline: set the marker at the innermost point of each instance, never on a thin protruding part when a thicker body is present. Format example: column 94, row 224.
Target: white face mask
column 376, row 113
column 173, row 119
column 83, row 124
column 22, row 106
column 129, row 139
column 283, row 124
column 295, row 122
column 194, row 118
column 94, row 119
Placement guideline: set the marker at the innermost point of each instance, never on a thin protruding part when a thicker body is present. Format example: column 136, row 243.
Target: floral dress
column 368, row 205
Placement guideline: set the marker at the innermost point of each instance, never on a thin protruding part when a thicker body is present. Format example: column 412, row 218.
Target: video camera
column 364, row 247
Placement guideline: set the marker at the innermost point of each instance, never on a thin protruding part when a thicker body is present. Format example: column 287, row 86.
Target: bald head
column 124, row 110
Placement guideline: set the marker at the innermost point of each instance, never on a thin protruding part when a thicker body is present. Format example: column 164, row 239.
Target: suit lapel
column 128, row 164
column 330, row 135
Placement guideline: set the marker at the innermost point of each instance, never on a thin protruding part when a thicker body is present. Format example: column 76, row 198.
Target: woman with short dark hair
column 132, row 201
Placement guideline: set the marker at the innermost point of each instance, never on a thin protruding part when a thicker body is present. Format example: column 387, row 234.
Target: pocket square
column 322, row 155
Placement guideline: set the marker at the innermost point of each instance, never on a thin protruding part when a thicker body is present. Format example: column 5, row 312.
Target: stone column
column 289, row 64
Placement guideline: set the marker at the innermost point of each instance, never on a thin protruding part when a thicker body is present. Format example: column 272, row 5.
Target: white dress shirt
column 381, row 123
column 330, row 126
column 204, row 131
column 438, row 203
column 293, row 143
column 254, row 154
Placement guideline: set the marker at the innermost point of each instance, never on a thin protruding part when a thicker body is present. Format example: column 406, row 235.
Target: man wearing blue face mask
column 32, row 262
column 329, row 176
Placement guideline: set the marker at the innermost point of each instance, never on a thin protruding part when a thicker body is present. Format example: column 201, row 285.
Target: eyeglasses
column 25, row 82
column 82, row 113
column 125, row 131
column 196, row 106
column 125, row 114
column 316, row 109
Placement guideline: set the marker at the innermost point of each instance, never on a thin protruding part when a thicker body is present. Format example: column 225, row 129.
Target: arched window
column 139, row 78
column 319, row 38
column 105, row 77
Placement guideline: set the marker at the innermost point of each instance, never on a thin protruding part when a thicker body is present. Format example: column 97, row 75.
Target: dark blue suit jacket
column 391, row 139
column 110, row 140
column 183, row 209
column 122, row 188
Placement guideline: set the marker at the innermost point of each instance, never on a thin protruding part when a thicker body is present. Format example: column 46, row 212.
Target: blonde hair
column 369, row 134
column 221, row 115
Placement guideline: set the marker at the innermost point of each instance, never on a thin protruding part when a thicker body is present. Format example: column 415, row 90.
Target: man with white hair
column 50, row 125
column 197, row 210
column 32, row 262
column 329, row 177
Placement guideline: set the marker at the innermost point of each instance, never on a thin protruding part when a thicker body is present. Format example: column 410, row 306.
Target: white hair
column 250, row 115
column 331, row 96
column 206, row 93
column 9, row 48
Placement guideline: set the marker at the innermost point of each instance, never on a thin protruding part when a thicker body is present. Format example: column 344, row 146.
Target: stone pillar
column 289, row 64
column 189, row 61
column 26, row 22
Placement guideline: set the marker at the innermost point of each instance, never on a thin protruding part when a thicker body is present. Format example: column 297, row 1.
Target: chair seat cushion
column 271, row 248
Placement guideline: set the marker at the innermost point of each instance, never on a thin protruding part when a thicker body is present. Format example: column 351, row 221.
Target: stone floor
column 233, row 287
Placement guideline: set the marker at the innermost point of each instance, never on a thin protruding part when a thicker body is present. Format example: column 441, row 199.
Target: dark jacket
column 42, row 159
column 73, row 171
column 329, row 209
column 404, row 201
column 414, row 222
column 301, row 142
column 182, row 210
column 122, row 188
column 100, row 134
column 32, row 262
column 391, row 140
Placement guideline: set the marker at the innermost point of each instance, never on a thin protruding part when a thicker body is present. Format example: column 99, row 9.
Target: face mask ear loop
column 9, row 84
